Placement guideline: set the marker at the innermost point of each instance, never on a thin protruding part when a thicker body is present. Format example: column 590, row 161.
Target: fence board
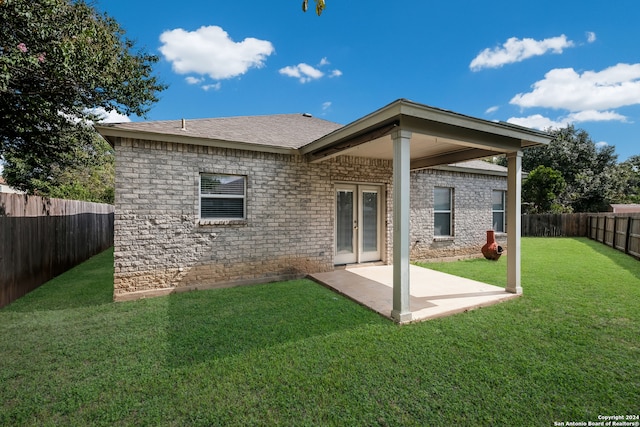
column 620, row 231
column 42, row 238
column 633, row 247
column 608, row 230
column 555, row 225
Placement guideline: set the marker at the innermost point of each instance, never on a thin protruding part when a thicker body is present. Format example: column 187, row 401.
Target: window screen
column 442, row 209
column 222, row 196
column 497, row 203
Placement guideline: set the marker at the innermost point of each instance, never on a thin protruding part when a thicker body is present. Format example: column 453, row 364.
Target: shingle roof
column 280, row 130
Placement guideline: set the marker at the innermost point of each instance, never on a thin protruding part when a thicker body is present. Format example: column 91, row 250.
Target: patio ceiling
column 438, row 136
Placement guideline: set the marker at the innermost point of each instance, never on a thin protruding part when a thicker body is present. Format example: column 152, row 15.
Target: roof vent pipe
column 184, row 124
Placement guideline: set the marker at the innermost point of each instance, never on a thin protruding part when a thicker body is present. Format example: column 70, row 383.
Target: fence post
column 628, row 236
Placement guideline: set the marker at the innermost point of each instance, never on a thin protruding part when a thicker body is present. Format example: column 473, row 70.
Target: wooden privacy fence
column 620, row 231
column 555, row 225
column 42, row 238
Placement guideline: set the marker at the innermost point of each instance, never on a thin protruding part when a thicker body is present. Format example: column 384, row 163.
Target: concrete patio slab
column 433, row 294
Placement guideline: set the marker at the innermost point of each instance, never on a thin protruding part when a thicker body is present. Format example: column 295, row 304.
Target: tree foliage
column 320, row 6
column 592, row 175
column 631, row 170
column 61, row 62
column 541, row 190
column 89, row 176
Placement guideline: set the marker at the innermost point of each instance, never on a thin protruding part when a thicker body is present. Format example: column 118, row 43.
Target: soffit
column 438, row 136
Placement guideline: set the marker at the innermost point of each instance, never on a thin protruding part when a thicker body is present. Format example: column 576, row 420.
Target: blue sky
column 537, row 64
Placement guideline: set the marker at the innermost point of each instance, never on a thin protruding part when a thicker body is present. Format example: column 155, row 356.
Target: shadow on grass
column 86, row 285
column 625, row 261
column 214, row 324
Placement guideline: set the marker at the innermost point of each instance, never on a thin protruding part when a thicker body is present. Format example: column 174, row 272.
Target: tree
column 541, row 190
column 631, row 169
column 61, row 63
column 91, row 177
column 320, row 6
column 593, row 177
column 88, row 172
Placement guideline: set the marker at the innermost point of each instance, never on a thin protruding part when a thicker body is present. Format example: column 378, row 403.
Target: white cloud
column 206, row 87
column 210, row 51
column 564, row 88
column 326, row 105
column 215, row 86
column 194, row 80
column 517, row 50
column 591, row 36
column 111, row 116
column 602, row 144
column 492, row 110
column 538, row 121
column 596, row 116
column 303, row 72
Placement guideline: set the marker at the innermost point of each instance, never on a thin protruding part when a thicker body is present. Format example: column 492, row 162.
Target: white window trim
column 440, row 237
column 222, row 221
column 503, row 211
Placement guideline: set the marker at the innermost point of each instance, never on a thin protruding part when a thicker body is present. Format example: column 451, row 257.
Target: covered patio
column 416, row 136
column 433, row 294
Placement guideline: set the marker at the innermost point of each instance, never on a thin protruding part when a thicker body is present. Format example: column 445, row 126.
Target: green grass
column 294, row 353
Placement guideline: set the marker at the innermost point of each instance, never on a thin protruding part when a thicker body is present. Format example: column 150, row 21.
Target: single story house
column 4, row 188
column 238, row 200
column 625, row 208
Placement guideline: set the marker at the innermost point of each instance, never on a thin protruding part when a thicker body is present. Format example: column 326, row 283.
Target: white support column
column 514, row 221
column 401, row 215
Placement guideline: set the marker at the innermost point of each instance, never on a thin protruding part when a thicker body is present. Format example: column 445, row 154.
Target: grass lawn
column 294, row 353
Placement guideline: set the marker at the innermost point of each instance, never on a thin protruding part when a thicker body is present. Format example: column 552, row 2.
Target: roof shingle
column 279, row 130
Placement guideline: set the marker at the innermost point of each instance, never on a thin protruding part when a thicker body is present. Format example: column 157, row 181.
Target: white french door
column 358, row 225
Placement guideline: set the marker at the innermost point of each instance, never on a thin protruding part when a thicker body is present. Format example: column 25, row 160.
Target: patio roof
column 438, row 136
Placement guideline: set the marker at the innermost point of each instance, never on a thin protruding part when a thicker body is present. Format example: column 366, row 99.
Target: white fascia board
column 371, row 121
column 463, row 169
column 408, row 111
column 526, row 135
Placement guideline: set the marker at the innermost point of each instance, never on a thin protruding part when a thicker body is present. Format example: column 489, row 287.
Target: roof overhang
column 111, row 133
column 438, row 136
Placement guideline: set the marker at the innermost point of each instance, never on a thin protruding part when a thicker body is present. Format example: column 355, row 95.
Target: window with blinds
column 222, row 197
column 442, row 211
column 498, row 210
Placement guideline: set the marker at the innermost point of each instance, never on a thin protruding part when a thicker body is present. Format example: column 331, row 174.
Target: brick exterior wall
column 288, row 232
column 161, row 246
column 472, row 213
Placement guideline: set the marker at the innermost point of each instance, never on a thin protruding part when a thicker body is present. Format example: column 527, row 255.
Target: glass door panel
column 370, row 224
column 346, row 223
column 358, row 224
